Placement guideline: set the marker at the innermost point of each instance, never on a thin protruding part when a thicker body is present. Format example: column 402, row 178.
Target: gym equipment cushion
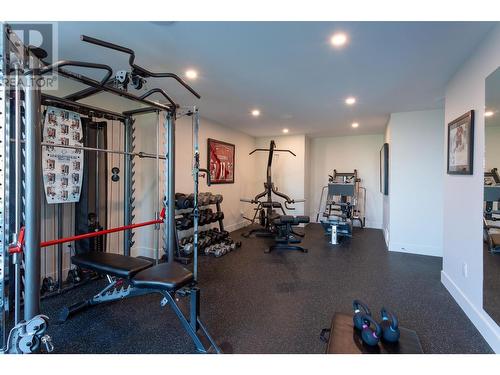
column 293, row 220
column 164, row 276
column 111, row 264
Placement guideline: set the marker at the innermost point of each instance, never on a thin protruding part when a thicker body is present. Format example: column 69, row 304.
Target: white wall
column 288, row 171
column 492, row 147
column 463, row 195
column 416, row 182
column 346, row 154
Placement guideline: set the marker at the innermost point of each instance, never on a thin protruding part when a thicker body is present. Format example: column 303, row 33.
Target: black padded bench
column 129, row 276
column 345, row 339
column 140, row 272
column 111, row 264
column 286, row 237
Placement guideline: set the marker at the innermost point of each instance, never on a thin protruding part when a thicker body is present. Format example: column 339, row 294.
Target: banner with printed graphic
column 62, row 167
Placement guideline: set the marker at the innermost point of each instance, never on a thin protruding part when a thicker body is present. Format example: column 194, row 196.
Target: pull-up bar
column 18, row 247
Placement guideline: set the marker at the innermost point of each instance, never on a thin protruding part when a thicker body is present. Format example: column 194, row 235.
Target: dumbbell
column 205, row 241
column 219, row 215
column 182, row 201
column 184, row 223
column 206, row 216
column 212, row 199
column 202, row 218
column 48, row 285
column 188, row 248
column 186, row 240
column 203, row 199
column 216, row 250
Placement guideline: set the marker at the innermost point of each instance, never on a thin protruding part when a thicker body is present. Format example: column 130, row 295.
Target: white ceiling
column 289, row 70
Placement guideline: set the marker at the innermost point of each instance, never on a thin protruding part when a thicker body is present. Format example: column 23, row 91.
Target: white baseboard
column 415, row 249
column 483, row 322
column 373, row 224
column 386, row 237
column 240, row 224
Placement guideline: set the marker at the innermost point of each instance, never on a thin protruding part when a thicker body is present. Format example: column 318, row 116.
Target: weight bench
column 286, row 238
column 129, row 277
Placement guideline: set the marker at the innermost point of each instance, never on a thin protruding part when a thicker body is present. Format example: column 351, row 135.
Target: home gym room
column 178, row 187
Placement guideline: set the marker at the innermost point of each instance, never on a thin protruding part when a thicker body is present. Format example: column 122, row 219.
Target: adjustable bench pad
column 164, row 276
column 111, row 264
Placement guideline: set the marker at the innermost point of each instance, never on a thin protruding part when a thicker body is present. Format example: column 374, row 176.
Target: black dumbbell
column 184, row 223
column 182, row 201
column 202, row 218
column 212, row 199
column 210, row 215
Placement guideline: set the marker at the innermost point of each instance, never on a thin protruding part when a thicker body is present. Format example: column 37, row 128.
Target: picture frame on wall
column 461, row 144
column 384, row 169
column 220, row 161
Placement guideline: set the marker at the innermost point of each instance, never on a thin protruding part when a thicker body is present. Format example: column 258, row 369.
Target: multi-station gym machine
column 21, row 101
column 342, row 203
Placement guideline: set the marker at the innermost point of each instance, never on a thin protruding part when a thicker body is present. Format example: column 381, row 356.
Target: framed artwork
column 384, row 169
column 220, row 162
column 461, row 144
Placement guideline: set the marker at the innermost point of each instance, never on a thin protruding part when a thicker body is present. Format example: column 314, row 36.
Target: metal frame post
column 170, row 227
column 32, row 191
column 127, row 186
column 60, row 234
column 196, row 177
column 157, row 191
column 17, row 258
column 4, row 184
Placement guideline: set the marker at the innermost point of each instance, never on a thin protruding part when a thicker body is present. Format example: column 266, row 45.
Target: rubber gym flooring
column 278, row 302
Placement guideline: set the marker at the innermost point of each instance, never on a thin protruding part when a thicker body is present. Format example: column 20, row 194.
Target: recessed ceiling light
column 350, row 100
column 355, row 125
column 191, row 74
column 488, row 113
column 255, row 113
column 285, row 130
column 338, row 39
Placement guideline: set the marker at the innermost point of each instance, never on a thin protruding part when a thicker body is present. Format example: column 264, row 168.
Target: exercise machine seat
column 164, row 276
column 292, row 220
column 111, row 264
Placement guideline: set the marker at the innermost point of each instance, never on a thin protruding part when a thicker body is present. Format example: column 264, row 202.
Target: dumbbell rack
column 190, row 210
